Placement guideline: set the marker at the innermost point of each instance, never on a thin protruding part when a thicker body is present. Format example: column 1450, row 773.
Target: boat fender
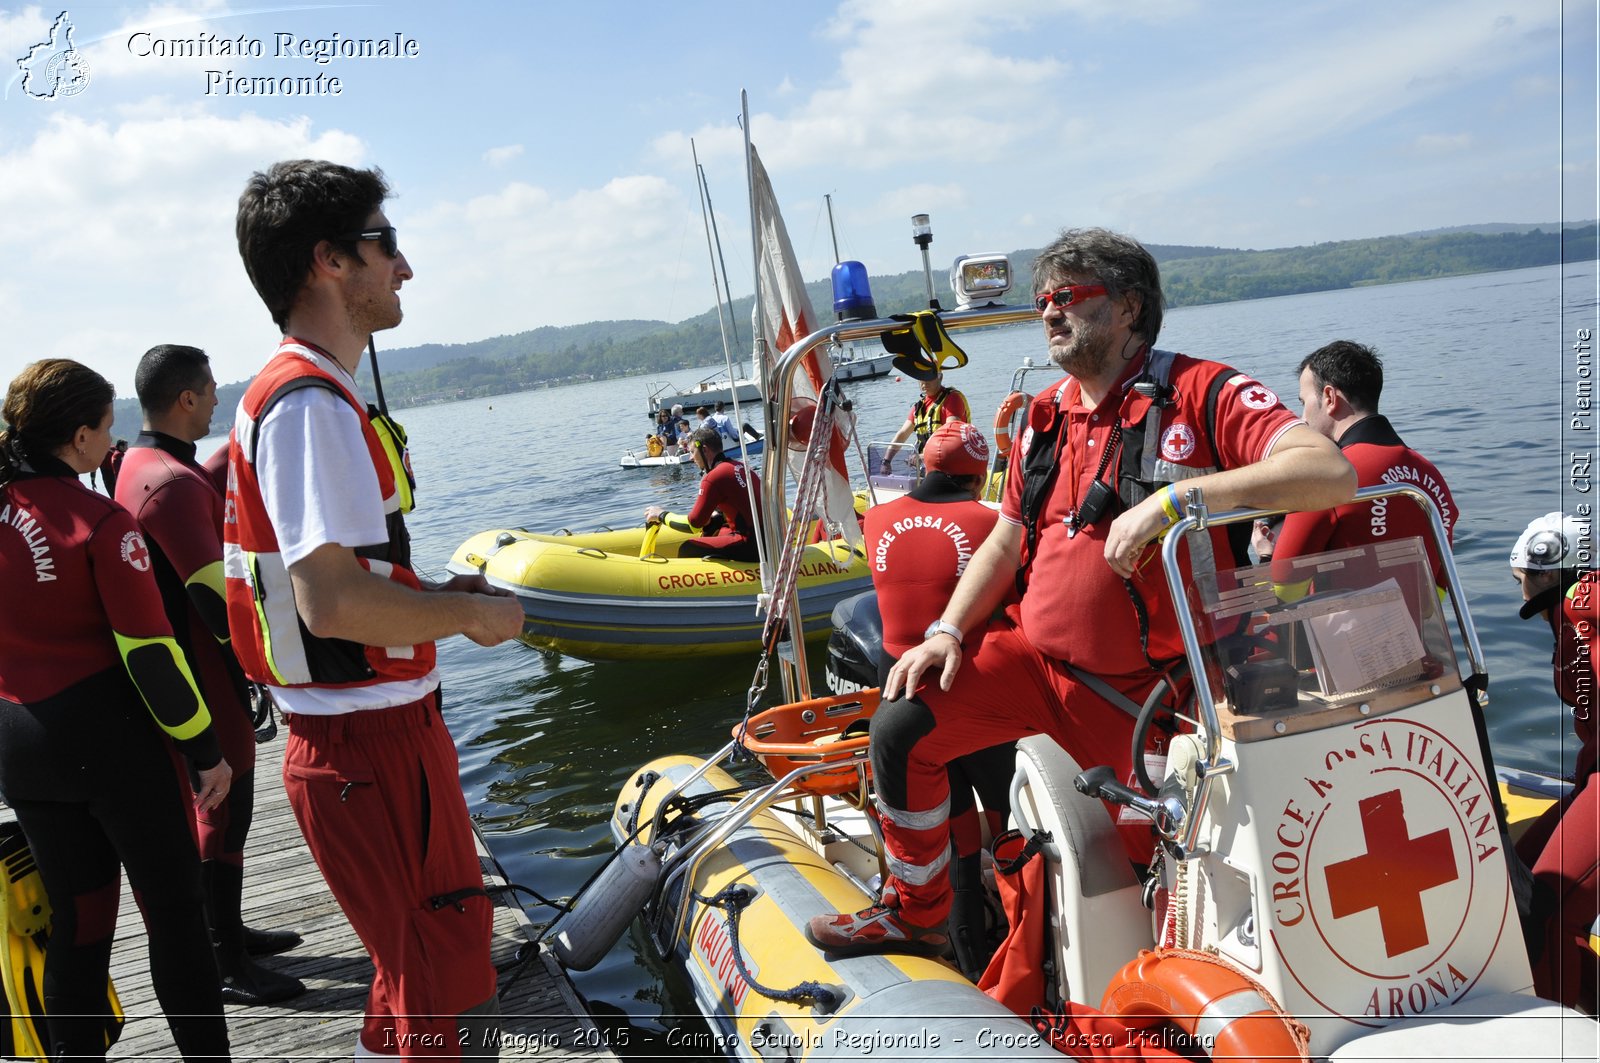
column 604, row 910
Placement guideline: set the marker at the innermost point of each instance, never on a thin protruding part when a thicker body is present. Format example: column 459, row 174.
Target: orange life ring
column 1003, row 417
column 1231, row 1015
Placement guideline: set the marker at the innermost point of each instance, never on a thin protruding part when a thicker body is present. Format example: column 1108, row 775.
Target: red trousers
column 1004, row 690
column 1563, row 849
column 378, row 798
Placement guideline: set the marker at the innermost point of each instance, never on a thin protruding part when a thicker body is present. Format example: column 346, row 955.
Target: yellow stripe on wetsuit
column 158, row 668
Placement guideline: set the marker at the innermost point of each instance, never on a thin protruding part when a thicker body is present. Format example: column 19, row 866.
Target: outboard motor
column 855, row 644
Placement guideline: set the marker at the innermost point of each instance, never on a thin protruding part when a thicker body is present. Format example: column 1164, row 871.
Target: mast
column 827, row 197
column 705, row 222
column 711, row 213
column 758, row 347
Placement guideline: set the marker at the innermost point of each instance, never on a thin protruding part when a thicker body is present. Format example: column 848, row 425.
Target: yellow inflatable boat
column 591, row 595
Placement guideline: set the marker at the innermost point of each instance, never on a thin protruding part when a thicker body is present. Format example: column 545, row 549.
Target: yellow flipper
column 25, row 920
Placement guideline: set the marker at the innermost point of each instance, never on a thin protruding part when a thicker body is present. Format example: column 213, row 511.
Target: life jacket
column 269, row 636
column 1141, row 471
column 929, row 415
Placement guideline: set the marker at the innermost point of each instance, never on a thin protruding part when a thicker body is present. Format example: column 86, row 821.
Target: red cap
column 956, row 449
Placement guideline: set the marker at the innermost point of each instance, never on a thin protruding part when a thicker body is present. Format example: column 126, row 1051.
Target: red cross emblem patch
column 1177, row 442
column 135, row 552
column 1257, row 396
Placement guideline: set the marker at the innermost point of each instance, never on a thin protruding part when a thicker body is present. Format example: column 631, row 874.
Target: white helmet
column 1552, row 542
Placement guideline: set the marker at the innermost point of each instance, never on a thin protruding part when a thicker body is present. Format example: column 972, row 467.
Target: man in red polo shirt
column 1095, row 596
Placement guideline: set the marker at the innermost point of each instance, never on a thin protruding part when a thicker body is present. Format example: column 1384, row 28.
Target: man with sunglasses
column 325, row 610
column 1095, row 625
column 725, row 506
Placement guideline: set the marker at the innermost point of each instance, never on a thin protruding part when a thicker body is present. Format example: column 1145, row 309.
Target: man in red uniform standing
column 723, row 507
column 1549, row 562
column 180, row 512
column 1095, row 597
column 326, row 611
column 1340, row 385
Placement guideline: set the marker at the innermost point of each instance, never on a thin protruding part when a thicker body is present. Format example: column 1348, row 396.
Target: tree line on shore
column 1191, row 276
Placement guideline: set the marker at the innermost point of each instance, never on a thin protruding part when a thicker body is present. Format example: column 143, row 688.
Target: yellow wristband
column 1169, row 505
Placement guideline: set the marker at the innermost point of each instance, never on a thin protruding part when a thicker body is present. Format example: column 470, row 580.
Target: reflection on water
column 1472, row 367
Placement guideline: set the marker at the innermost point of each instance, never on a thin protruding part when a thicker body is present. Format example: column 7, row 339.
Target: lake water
column 1479, row 378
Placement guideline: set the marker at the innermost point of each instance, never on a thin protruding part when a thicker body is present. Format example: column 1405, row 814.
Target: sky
column 540, row 151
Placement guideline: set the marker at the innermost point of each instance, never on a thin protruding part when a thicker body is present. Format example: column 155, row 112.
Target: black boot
column 268, row 942
column 969, row 930
column 243, row 980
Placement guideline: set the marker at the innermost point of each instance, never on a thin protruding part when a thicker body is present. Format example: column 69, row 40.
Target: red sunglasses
column 1068, row 294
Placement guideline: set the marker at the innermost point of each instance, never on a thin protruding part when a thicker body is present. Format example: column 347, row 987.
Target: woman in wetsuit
column 86, row 659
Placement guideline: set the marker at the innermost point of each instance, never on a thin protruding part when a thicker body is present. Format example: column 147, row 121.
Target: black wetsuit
column 82, row 761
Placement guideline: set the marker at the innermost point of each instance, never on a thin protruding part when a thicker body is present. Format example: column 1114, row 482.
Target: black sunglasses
column 385, row 236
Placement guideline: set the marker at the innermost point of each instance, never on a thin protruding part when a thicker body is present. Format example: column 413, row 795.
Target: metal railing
column 1197, row 519
column 778, row 387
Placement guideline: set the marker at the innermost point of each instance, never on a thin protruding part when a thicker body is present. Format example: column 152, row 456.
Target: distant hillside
column 1495, row 228
column 547, row 338
column 550, row 356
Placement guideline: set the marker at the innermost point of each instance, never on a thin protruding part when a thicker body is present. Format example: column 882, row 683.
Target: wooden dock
column 543, row 1017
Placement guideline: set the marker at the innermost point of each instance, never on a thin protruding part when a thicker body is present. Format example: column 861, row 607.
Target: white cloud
column 1343, row 82
column 520, row 256
column 502, row 155
column 920, row 199
column 915, row 82
column 124, row 233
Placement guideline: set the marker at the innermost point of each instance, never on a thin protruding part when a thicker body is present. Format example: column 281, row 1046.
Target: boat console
column 1331, row 825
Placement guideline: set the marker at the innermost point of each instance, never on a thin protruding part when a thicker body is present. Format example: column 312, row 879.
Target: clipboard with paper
column 1360, row 639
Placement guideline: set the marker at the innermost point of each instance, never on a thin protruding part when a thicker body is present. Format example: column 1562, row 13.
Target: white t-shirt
column 319, row 486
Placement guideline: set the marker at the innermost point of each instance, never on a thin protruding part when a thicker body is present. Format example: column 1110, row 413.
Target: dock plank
column 542, row 1015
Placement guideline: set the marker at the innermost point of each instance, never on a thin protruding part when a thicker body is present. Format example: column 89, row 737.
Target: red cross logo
column 135, row 552
column 1258, row 397
column 1393, row 873
column 1178, row 443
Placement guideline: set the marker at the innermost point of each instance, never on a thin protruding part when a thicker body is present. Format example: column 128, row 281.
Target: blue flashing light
column 852, row 295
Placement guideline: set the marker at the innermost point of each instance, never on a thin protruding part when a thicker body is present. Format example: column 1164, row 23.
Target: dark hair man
column 1550, row 563
column 1340, row 385
column 723, row 507
column 1094, row 598
column 179, row 510
column 326, row 611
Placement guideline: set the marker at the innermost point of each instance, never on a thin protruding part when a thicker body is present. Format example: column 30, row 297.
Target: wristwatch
column 939, row 627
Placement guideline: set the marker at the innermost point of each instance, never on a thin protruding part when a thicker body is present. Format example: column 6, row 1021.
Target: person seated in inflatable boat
column 725, row 507
column 1083, row 555
column 1563, row 845
column 922, row 542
